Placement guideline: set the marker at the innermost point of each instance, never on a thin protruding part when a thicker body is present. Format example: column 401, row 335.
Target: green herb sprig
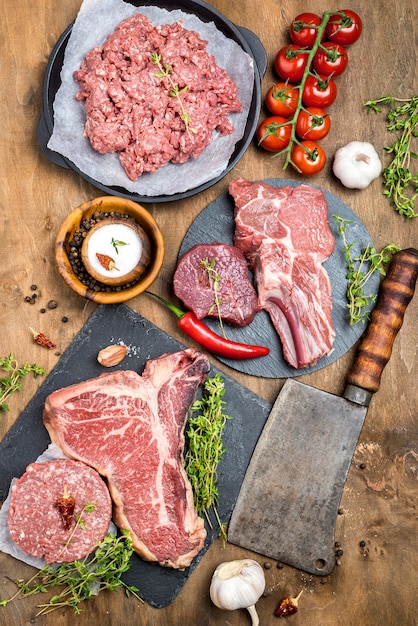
column 214, row 282
column 175, row 92
column 400, row 183
column 359, row 271
column 12, row 383
column 117, row 243
column 206, row 447
column 80, row 580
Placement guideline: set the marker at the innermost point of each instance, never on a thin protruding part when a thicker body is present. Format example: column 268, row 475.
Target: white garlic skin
column 237, row 584
column 357, row 164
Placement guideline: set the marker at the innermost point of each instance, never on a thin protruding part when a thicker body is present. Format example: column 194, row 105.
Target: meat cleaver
column 288, row 502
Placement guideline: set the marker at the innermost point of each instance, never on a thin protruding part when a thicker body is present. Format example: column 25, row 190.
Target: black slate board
column 216, row 224
column 28, row 438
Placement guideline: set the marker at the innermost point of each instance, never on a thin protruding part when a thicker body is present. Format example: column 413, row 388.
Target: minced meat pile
column 153, row 95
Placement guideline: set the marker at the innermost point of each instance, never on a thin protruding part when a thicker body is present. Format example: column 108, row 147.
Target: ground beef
column 207, row 265
column 34, row 520
column 131, row 108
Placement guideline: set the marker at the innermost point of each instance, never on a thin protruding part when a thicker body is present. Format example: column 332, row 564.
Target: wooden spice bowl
column 113, row 292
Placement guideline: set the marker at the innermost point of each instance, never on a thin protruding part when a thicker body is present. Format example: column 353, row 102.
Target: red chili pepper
column 196, row 329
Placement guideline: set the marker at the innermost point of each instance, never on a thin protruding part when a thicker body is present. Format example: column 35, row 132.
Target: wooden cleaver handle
column 375, row 347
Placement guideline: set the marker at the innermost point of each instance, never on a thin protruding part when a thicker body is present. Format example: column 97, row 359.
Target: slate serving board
column 28, row 438
column 216, row 224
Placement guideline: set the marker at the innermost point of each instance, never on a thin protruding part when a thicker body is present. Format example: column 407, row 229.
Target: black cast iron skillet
column 248, row 41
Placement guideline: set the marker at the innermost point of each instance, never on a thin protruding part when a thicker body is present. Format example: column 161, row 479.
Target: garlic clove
column 112, row 355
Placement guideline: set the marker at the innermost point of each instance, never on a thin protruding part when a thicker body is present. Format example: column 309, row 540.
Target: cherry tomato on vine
column 330, row 58
column 290, row 63
column 282, row 99
column 344, row 27
column 308, row 158
column 273, row 134
column 304, row 35
column 313, row 123
column 319, row 91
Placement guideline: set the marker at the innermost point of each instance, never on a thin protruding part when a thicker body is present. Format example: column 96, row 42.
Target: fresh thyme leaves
column 175, row 92
column 116, row 244
column 400, row 183
column 80, row 580
column 11, row 383
column 360, row 269
column 206, row 447
column 214, row 282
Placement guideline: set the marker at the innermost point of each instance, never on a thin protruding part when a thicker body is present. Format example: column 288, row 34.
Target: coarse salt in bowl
column 121, row 254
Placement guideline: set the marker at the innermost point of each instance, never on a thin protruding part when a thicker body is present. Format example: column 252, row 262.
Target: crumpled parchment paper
column 95, row 21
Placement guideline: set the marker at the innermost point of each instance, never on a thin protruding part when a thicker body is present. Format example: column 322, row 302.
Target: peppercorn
column 339, row 552
column 362, row 544
column 64, row 319
column 52, row 304
column 43, row 311
column 33, row 287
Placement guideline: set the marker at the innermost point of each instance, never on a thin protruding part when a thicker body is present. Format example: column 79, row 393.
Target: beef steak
column 131, row 429
column 285, row 235
column 35, row 522
column 194, row 283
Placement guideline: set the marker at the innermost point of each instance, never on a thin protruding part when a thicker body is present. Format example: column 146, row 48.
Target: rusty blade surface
column 288, row 502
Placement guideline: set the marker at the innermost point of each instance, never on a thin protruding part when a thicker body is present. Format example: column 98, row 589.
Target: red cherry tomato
column 330, row 58
column 313, row 123
column 290, row 63
column 308, row 158
column 273, row 134
column 304, row 35
column 344, row 27
column 319, row 91
column 282, row 99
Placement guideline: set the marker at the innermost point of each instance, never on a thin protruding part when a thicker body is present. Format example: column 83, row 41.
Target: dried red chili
column 196, row 330
column 288, row 606
column 66, row 506
column 106, row 261
column 42, row 340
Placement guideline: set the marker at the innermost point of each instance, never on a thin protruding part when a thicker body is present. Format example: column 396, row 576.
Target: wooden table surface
column 375, row 580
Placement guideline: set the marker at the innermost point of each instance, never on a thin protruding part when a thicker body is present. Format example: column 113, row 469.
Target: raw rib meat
column 285, row 235
column 194, row 284
column 130, row 429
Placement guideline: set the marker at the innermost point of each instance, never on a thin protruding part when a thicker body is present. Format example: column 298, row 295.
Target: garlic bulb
column 238, row 585
column 356, row 164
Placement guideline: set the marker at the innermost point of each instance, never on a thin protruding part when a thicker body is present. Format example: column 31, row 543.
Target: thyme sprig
column 214, row 281
column 400, row 183
column 359, row 271
column 80, row 580
column 12, row 383
column 116, row 243
column 206, row 447
column 175, row 92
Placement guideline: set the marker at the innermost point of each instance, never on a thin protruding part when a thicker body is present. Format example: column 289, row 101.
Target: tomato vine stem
column 293, row 138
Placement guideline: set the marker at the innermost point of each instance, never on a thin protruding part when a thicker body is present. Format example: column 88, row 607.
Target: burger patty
column 36, row 523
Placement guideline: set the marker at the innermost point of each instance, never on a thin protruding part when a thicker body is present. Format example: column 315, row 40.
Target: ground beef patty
column 35, row 522
column 212, row 279
column 153, row 95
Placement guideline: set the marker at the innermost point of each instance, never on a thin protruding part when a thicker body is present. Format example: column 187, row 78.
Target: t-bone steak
column 35, row 522
column 131, row 429
column 285, row 235
column 212, row 279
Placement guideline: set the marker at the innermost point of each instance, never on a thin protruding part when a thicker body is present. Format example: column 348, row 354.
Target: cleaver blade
column 288, row 502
